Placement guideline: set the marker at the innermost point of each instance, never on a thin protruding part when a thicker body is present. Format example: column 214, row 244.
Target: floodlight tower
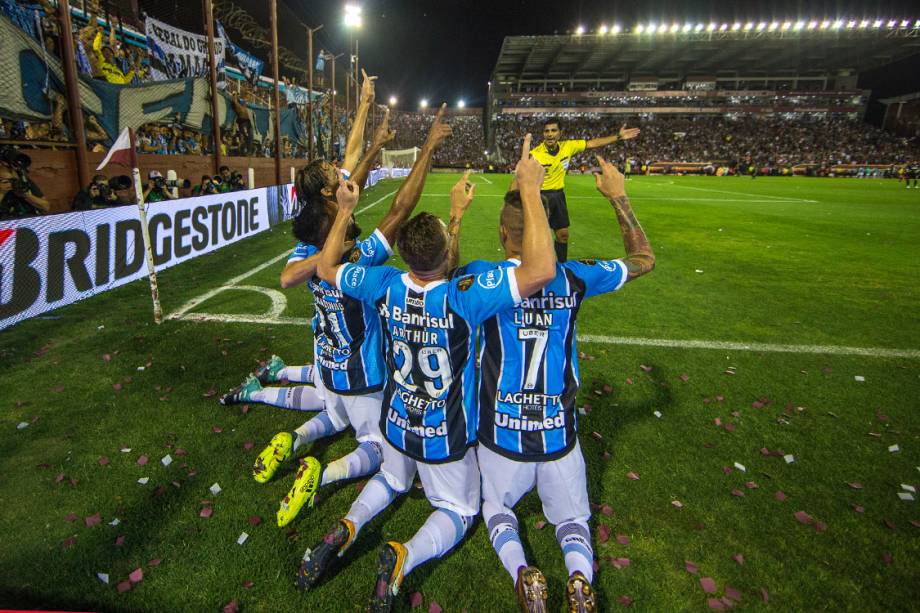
column 353, row 21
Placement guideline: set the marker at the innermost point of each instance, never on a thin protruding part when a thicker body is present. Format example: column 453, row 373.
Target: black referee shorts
column 556, row 210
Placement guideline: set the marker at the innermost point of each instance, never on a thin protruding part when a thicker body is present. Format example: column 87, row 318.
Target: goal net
column 399, row 158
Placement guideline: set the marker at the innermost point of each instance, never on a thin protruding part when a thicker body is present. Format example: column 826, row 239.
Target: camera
column 159, row 183
column 104, row 190
column 13, row 158
column 120, row 182
column 236, row 180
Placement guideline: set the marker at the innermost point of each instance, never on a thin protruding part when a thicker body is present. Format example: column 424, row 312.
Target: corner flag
column 122, row 151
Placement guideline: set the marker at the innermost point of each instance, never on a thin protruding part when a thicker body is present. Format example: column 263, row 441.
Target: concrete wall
column 55, row 172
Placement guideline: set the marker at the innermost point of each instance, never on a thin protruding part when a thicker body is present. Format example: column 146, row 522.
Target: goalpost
column 399, row 158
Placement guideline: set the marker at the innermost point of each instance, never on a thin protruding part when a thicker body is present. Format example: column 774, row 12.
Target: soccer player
column 296, row 398
column 429, row 411
column 348, row 367
column 555, row 155
column 528, row 383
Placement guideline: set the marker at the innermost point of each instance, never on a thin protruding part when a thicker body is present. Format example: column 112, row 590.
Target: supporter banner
column 24, row 70
column 49, row 262
column 177, row 54
column 250, row 65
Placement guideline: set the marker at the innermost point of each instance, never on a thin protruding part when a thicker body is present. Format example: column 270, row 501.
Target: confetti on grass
column 136, row 576
column 708, row 585
column 415, row 600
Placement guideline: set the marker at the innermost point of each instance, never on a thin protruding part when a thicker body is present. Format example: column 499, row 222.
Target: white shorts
column 451, row 485
column 561, row 484
column 360, row 412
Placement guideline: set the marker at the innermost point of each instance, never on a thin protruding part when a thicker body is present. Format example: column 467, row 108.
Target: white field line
column 194, row 302
column 725, row 191
column 483, row 178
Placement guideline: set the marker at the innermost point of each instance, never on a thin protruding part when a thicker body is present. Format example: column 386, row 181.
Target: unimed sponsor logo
column 46, row 262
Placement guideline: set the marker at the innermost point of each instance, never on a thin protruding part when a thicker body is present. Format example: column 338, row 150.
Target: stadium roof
column 735, row 54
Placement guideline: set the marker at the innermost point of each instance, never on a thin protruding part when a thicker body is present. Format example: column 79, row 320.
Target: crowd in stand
column 467, row 148
column 764, row 141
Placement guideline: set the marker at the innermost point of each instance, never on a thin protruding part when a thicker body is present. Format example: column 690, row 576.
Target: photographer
column 208, row 185
column 157, row 188
column 97, row 195
column 226, row 179
column 19, row 196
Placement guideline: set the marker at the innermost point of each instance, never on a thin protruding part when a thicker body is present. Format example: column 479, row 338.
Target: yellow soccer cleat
column 302, row 492
column 390, row 576
column 580, row 595
column 278, row 450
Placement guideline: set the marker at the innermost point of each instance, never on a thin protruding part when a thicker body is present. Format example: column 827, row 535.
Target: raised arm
column 461, row 195
column 355, row 144
column 411, row 189
column 538, row 258
column 624, row 134
column 300, row 271
column 330, row 259
column 639, row 256
column 382, row 136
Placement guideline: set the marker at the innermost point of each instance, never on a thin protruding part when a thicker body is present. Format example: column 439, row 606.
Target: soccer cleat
column 316, row 560
column 531, row 589
column 242, row 392
column 269, row 372
column 580, row 594
column 267, row 463
column 390, row 566
column 302, row 492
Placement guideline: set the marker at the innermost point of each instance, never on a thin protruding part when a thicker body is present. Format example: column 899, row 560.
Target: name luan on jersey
column 529, row 362
column 347, row 336
column 429, row 403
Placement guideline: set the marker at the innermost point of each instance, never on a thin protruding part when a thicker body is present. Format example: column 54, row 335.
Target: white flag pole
column 148, row 248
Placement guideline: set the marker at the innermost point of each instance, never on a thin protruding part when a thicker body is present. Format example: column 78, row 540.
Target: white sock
column 575, row 540
column 362, row 461
column 503, row 532
column 441, row 532
column 297, row 374
column 374, row 498
column 316, row 428
column 299, row 398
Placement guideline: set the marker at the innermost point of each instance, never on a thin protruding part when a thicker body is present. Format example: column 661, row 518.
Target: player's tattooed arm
column 640, row 259
column 355, row 143
column 538, row 258
column 331, row 259
column 461, row 195
column 411, row 190
column 382, row 136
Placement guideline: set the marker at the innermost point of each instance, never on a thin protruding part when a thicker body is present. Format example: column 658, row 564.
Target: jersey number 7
column 534, row 341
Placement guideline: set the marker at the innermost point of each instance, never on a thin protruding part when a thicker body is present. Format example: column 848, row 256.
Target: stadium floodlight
column 838, row 24
column 687, row 27
column 699, row 27
column 877, row 23
column 579, row 30
column 773, row 26
column 711, row 27
column 640, row 29
column 675, row 28
column 905, row 23
column 723, row 27
column 892, row 23
column 392, row 100
column 663, row 28
column 917, row 24
column 353, row 16
column 761, row 26
column 851, row 24
column 616, row 29
column 603, row 29
column 736, row 26
column 461, row 103
column 423, row 104
column 799, row 25
column 825, row 24
column 748, row 26
column 864, row 23
column 787, row 25
column 812, row 24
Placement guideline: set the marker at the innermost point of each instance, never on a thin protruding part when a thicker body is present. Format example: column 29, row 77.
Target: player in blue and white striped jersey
column 528, row 382
column 349, row 369
column 429, row 410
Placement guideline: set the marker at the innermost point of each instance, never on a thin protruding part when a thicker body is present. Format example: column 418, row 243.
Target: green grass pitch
column 806, row 269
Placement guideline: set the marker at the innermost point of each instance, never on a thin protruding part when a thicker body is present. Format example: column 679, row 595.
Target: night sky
column 445, row 50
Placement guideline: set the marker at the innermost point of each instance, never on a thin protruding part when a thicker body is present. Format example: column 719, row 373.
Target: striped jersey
column 529, row 362
column 347, row 341
column 429, row 401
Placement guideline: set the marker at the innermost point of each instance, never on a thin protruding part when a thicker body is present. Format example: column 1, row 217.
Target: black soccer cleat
column 316, row 560
column 390, row 567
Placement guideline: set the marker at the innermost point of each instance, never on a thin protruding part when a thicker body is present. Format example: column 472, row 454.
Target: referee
column 554, row 155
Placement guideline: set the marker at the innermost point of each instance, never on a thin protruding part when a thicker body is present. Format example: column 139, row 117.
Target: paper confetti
column 708, row 585
column 789, row 458
column 859, row 378
column 242, row 538
column 215, row 489
column 22, row 425
column 104, row 577
column 143, row 480
column 136, row 576
column 740, row 467
column 657, row 414
column 894, row 449
column 166, row 460
column 908, row 488
column 906, row 496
